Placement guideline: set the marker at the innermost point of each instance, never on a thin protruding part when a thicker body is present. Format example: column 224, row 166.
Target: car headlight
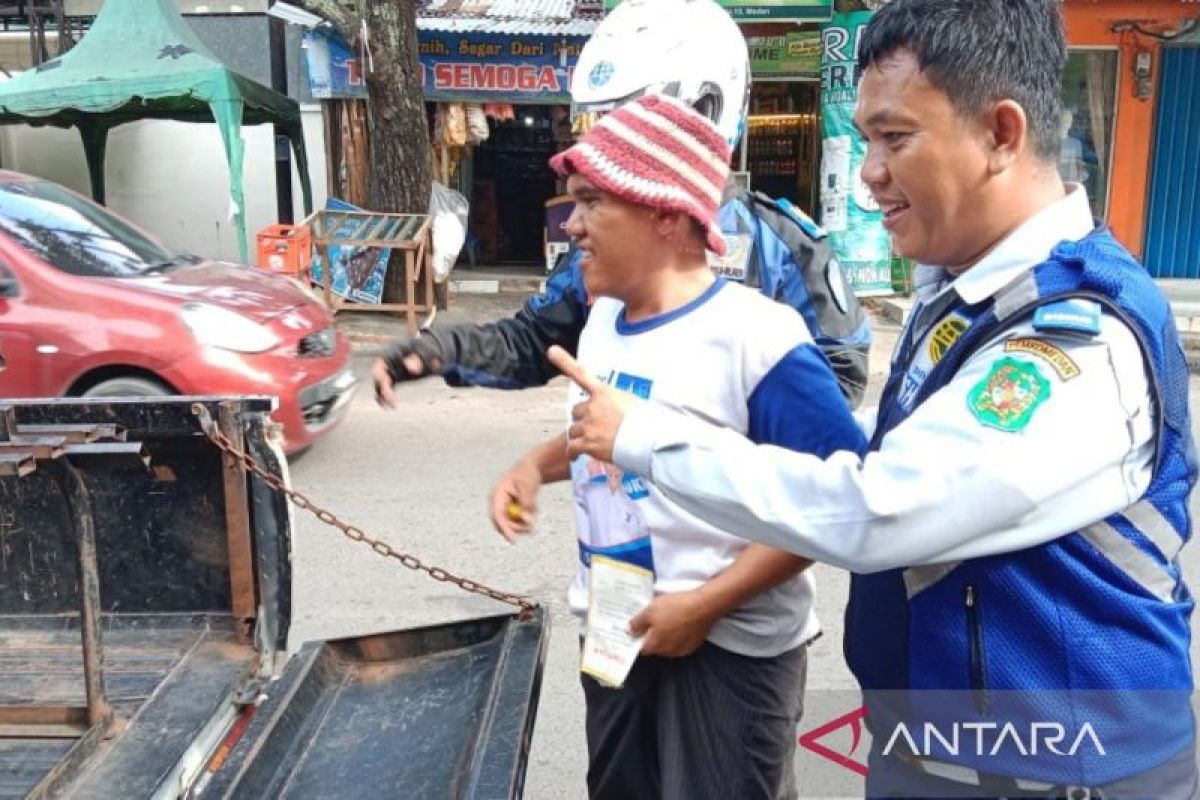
column 219, row 327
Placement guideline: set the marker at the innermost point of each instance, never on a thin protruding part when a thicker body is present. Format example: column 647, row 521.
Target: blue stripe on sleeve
column 798, row 405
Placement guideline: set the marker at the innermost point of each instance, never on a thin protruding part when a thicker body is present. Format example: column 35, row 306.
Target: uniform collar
column 1068, row 219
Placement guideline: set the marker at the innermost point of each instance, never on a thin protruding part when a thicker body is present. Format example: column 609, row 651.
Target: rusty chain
column 355, row 534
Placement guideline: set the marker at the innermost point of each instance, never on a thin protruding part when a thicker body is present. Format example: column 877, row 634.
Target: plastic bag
column 477, row 124
column 448, row 210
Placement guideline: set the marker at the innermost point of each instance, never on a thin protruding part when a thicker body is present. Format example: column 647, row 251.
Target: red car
column 90, row 306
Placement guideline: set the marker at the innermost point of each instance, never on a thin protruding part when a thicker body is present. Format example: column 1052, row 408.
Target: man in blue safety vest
column 1015, row 525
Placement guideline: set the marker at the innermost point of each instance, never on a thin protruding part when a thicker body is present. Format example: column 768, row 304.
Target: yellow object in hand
column 515, row 512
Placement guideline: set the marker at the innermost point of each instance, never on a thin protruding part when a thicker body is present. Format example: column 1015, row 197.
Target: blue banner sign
column 458, row 67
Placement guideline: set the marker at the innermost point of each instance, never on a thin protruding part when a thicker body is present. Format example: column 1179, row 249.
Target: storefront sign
column 495, row 68
column 848, row 212
column 796, row 54
column 769, row 10
column 458, row 67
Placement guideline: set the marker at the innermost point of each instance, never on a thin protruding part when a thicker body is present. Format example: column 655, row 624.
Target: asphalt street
column 418, row 477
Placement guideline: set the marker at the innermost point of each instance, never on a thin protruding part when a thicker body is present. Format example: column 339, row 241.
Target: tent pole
column 295, row 133
column 285, row 205
column 95, row 145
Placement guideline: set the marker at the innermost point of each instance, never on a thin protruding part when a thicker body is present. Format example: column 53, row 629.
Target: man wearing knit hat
column 709, row 706
column 694, row 51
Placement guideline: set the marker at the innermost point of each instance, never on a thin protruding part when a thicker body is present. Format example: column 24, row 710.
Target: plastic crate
column 286, row 249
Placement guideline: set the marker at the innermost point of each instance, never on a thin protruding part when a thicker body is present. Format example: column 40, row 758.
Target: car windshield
column 76, row 236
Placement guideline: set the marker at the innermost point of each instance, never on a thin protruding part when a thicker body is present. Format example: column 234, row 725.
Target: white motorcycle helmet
column 688, row 49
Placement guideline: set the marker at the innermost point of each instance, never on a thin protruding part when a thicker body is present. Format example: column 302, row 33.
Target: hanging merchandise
column 848, row 211
column 448, row 160
column 477, row 124
column 439, row 125
column 454, row 125
column 583, row 122
column 501, row 112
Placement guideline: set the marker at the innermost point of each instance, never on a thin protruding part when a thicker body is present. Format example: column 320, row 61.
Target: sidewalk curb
column 496, row 285
column 368, row 343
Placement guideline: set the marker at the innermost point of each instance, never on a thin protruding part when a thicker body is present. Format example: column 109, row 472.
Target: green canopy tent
column 141, row 60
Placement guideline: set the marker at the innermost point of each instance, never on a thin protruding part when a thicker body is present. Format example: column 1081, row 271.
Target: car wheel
column 128, row 387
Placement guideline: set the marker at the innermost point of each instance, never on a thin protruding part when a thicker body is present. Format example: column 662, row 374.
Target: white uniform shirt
column 734, row 359
column 943, row 485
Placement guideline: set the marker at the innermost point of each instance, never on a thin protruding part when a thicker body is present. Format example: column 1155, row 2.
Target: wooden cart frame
column 406, row 233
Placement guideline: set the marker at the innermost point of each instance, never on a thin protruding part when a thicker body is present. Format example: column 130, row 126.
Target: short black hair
column 979, row 52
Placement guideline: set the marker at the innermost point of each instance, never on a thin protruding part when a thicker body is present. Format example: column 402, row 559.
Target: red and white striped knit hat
column 656, row 151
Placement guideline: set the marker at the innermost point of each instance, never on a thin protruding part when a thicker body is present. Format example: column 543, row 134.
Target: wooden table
column 407, row 233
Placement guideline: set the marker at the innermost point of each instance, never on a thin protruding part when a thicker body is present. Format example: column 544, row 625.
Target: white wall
column 171, row 178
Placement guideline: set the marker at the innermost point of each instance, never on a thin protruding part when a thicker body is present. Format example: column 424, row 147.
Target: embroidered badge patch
column 733, row 264
column 1008, row 395
column 1063, row 364
column 944, row 336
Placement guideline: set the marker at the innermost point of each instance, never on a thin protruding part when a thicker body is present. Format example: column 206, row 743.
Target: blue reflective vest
column 1092, row 627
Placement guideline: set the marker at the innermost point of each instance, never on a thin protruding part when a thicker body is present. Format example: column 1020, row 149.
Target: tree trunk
column 400, row 167
column 400, row 171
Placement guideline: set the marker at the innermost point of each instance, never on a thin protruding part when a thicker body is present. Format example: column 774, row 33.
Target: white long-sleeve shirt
column 740, row 361
column 943, row 486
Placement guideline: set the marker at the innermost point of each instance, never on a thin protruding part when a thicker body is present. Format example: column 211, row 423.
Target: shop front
column 498, row 106
column 1124, row 68
column 514, row 91
column 782, row 148
column 1130, row 128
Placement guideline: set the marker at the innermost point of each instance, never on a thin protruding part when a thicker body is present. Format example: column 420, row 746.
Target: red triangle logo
column 853, row 720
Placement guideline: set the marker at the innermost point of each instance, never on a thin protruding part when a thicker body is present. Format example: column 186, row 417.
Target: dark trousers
column 714, row 724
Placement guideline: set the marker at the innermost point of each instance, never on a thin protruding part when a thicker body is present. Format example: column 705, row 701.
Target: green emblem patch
column 1007, row 397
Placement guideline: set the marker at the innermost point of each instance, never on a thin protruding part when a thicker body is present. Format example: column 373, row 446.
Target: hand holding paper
column 674, row 624
column 617, row 593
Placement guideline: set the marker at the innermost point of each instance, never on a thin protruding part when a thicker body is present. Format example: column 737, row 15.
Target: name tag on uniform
column 1077, row 315
column 734, row 263
column 617, row 592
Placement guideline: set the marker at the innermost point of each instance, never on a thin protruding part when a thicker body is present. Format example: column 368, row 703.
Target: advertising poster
column 848, row 213
column 358, row 272
column 795, row 54
column 333, row 68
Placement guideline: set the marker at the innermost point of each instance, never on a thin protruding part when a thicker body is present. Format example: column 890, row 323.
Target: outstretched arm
column 508, row 354
column 953, row 481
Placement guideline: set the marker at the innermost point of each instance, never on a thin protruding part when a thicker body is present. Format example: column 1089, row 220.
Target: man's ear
column 669, row 224
column 1007, row 129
